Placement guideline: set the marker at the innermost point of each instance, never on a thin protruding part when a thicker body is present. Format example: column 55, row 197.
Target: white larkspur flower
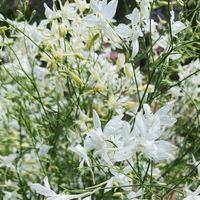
column 134, row 17
column 44, row 190
column 8, row 161
column 121, row 179
column 176, row 26
column 107, row 10
column 101, row 8
column 103, row 14
column 146, row 134
column 82, row 4
column 50, row 14
column 51, row 195
column 82, row 153
column 96, row 140
column 124, row 30
column 104, row 142
column 145, row 8
column 164, row 117
column 147, row 131
column 132, row 34
column 132, row 31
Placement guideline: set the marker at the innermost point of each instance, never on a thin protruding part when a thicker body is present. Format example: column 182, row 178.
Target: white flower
column 44, row 190
column 8, row 161
column 50, row 14
column 121, row 179
column 82, row 153
column 134, row 195
column 43, row 149
column 134, row 17
column 11, row 195
column 116, row 142
column 164, row 117
column 176, row 26
column 131, row 32
column 51, row 195
column 96, row 140
column 106, row 142
column 107, row 10
column 101, row 8
column 109, row 31
column 103, row 14
column 82, row 4
column 147, row 131
column 145, row 136
column 124, row 31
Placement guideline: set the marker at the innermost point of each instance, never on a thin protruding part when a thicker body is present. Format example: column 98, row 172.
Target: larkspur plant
column 93, row 108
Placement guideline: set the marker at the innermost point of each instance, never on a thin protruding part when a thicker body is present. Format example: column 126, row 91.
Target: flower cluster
column 99, row 108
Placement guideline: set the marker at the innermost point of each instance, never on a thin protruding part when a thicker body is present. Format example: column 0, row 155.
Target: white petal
column 175, row 56
column 116, row 126
column 165, row 109
column 88, row 143
column 110, row 9
column 48, row 12
column 102, row 5
column 96, row 120
column 90, row 20
column 124, row 153
column 109, row 32
column 109, row 185
column 46, row 182
column 177, row 27
column 135, row 47
column 42, row 190
column 94, row 6
column 79, row 150
column 140, row 127
column 134, row 16
column 165, row 118
column 123, row 31
column 159, row 150
column 147, row 109
column 154, row 129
